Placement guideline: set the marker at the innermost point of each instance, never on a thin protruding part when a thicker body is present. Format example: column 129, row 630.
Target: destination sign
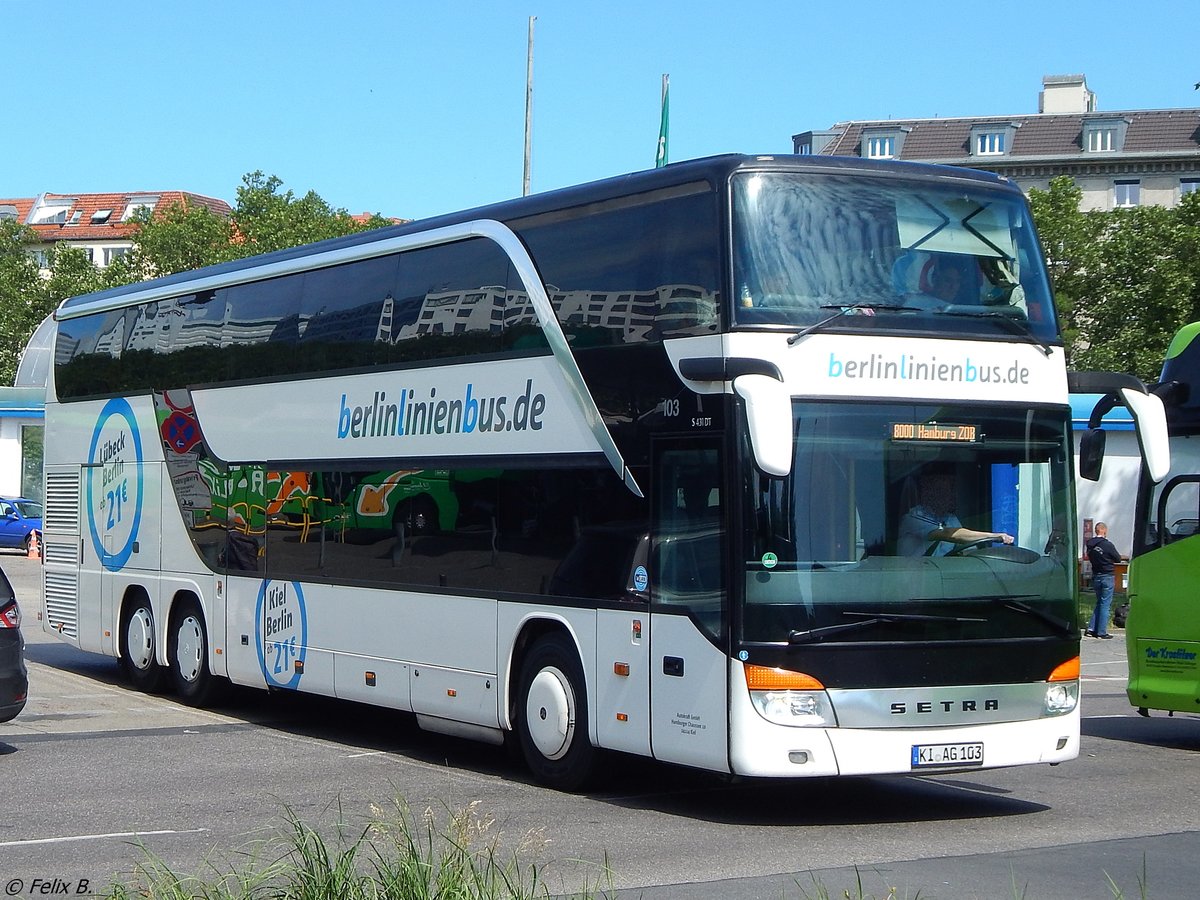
column 934, row 431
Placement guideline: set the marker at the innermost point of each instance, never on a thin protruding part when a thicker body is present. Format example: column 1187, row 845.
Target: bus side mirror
column 1091, row 453
column 769, row 418
column 1150, row 417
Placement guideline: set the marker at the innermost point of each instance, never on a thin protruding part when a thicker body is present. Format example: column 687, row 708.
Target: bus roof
column 714, row 169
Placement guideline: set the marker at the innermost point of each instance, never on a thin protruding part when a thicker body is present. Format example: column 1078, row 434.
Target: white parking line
column 98, row 837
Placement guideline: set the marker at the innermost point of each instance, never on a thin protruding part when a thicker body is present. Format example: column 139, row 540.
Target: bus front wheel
column 138, row 648
column 552, row 721
column 188, row 655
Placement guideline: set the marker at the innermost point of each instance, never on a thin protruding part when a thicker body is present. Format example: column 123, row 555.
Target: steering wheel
column 960, row 549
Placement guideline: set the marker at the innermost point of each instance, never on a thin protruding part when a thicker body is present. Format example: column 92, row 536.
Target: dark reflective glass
column 643, row 270
column 570, row 534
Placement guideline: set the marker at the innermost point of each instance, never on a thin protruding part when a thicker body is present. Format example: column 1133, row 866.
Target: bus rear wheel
column 138, row 646
column 552, row 720
column 187, row 653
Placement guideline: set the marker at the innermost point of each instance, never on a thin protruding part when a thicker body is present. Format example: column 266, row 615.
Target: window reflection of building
column 635, row 314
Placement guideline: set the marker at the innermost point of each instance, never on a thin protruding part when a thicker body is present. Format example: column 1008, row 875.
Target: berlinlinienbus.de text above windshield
column 917, row 367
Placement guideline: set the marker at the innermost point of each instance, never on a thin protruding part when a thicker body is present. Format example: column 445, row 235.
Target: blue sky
column 414, row 109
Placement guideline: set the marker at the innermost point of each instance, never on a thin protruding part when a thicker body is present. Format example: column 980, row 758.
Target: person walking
column 1103, row 557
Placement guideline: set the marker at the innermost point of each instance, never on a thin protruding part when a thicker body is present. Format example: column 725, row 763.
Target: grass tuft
column 394, row 855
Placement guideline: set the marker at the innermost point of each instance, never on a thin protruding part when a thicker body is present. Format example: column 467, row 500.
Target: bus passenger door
column 689, row 610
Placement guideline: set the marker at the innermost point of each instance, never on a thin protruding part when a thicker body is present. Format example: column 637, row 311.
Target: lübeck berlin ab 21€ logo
column 114, row 484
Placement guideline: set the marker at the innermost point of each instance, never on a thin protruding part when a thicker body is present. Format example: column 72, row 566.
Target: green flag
column 664, row 127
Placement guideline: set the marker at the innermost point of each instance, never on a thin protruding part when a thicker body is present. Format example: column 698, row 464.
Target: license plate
column 930, row 755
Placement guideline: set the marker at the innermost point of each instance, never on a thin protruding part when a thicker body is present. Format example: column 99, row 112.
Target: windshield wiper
column 1015, row 602
column 868, row 619
column 1017, row 325
column 846, row 311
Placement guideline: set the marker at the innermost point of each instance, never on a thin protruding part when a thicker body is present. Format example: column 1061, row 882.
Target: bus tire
column 187, row 655
column 138, row 650
column 552, row 719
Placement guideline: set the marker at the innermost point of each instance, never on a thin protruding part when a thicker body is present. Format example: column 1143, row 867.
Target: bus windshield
column 944, row 256
column 912, row 522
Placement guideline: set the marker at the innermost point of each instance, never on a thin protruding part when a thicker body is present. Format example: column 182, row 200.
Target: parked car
column 14, row 678
column 19, row 519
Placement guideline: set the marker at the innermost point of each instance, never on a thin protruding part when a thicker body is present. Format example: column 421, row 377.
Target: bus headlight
column 794, row 708
column 1062, row 689
column 1061, row 697
column 789, row 698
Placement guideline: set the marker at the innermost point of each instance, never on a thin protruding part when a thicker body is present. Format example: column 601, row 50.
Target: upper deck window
column 919, row 255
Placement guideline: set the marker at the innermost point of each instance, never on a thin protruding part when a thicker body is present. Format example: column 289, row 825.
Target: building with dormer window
column 1118, row 159
column 98, row 224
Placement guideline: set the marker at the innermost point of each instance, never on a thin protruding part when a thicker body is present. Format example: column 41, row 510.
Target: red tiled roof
column 90, row 206
column 23, row 205
column 364, row 217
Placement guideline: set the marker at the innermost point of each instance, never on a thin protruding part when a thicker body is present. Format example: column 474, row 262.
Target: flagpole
column 528, row 110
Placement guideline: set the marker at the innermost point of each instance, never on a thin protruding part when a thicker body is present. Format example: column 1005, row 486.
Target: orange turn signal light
column 763, row 678
column 1068, row 671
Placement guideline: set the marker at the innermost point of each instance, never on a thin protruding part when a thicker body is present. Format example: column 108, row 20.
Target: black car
column 14, row 679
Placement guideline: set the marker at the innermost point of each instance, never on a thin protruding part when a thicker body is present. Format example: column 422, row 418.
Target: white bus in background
column 623, row 467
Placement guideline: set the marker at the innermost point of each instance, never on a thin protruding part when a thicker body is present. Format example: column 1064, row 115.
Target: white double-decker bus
column 758, row 465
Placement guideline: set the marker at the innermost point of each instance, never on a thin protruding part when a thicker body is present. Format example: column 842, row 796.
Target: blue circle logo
column 114, row 484
column 641, row 579
column 281, row 632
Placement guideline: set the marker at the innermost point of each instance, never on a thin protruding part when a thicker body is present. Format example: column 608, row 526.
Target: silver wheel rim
column 550, row 713
column 139, row 639
column 189, row 647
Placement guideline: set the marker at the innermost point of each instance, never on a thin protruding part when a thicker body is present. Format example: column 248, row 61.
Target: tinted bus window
column 642, row 271
column 450, row 300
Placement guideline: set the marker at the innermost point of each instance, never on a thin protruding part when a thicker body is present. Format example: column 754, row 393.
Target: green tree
column 71, row 273
column 186, row 236
column 1124, row 281
column 267, row 219
column 24, row 300
column 1069, row 238
column 177, row 238
column 1143, row 289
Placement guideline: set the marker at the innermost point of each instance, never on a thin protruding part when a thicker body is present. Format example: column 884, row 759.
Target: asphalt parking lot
column 105, row 771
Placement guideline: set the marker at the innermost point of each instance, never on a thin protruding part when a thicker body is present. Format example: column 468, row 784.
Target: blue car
column 19, row 519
